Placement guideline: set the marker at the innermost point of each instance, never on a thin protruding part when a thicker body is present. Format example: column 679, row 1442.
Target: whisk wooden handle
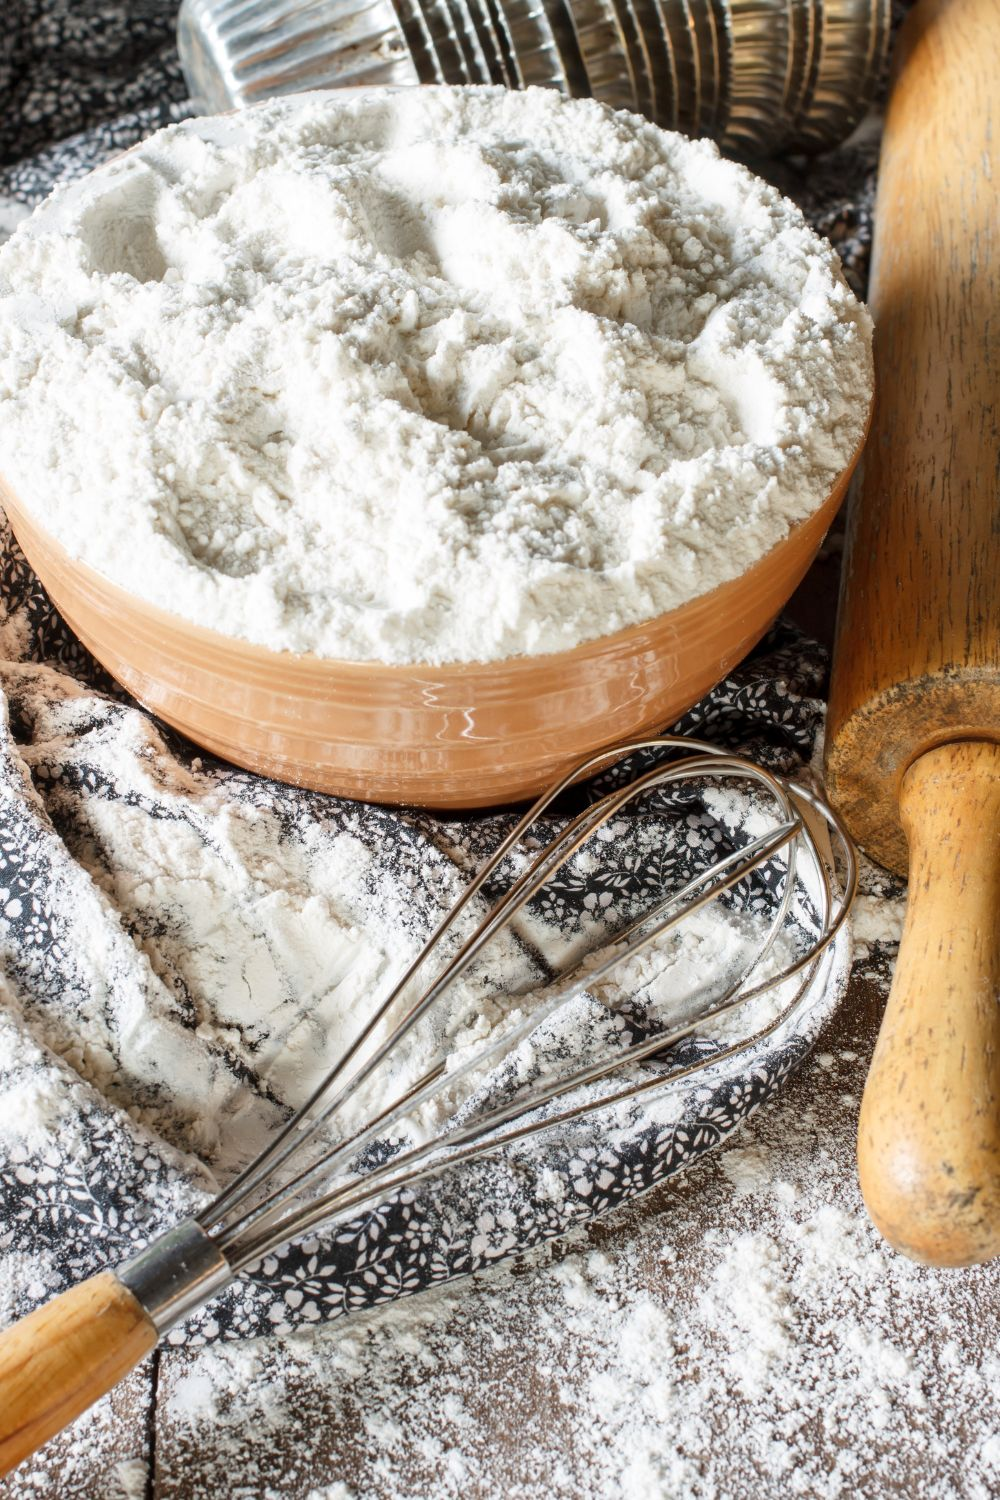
column 929, row 1138
column 61, row 1358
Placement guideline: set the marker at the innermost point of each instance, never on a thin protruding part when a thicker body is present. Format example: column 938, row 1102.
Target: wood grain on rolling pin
column 913, row 751
column 929, row 1135
column 917, row 659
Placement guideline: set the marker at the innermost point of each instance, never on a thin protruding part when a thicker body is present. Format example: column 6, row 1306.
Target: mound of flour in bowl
column 430, row 375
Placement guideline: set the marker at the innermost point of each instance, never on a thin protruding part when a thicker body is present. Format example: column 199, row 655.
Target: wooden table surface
column 131, row 1448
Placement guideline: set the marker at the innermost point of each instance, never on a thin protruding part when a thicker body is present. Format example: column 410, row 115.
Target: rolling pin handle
column 929, row 1134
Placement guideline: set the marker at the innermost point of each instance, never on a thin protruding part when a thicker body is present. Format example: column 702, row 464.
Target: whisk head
column 427, row 1084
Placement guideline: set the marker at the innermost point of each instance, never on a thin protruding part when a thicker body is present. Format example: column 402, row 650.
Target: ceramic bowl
column 459, row 736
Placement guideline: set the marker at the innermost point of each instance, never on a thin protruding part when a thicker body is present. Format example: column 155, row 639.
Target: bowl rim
column 250, row 654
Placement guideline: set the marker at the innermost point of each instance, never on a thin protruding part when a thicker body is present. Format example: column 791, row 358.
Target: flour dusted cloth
column 173, row 931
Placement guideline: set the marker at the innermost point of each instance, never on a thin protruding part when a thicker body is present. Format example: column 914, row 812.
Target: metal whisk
column 321, row 1167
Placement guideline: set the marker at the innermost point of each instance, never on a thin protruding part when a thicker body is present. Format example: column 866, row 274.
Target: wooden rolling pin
column 913, row 747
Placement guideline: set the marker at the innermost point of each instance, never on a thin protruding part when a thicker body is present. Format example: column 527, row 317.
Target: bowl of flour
column 408, row 444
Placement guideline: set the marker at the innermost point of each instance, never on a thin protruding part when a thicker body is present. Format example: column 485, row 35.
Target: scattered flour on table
column 430, row 375
column 878, row 910
column 130, row 1479
column 750, row 1337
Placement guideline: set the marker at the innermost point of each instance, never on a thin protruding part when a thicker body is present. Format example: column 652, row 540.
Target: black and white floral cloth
column 126, row 1089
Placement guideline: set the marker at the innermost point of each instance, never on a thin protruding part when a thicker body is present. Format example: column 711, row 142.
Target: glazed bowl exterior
column 457, row 736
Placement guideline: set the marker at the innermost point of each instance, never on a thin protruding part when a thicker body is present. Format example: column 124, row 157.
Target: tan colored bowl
column 465, row 735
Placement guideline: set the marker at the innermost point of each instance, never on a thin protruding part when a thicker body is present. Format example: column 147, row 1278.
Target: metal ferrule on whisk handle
column 176, row 1274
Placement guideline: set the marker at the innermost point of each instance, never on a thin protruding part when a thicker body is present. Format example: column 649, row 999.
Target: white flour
column 424, row 376
column 217, row 949
column 683, row 1350
column 745, row 1335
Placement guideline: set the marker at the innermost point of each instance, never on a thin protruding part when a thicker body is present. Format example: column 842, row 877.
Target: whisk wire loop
column 289, row 1139
column 264, row 1207
column 582, row 976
